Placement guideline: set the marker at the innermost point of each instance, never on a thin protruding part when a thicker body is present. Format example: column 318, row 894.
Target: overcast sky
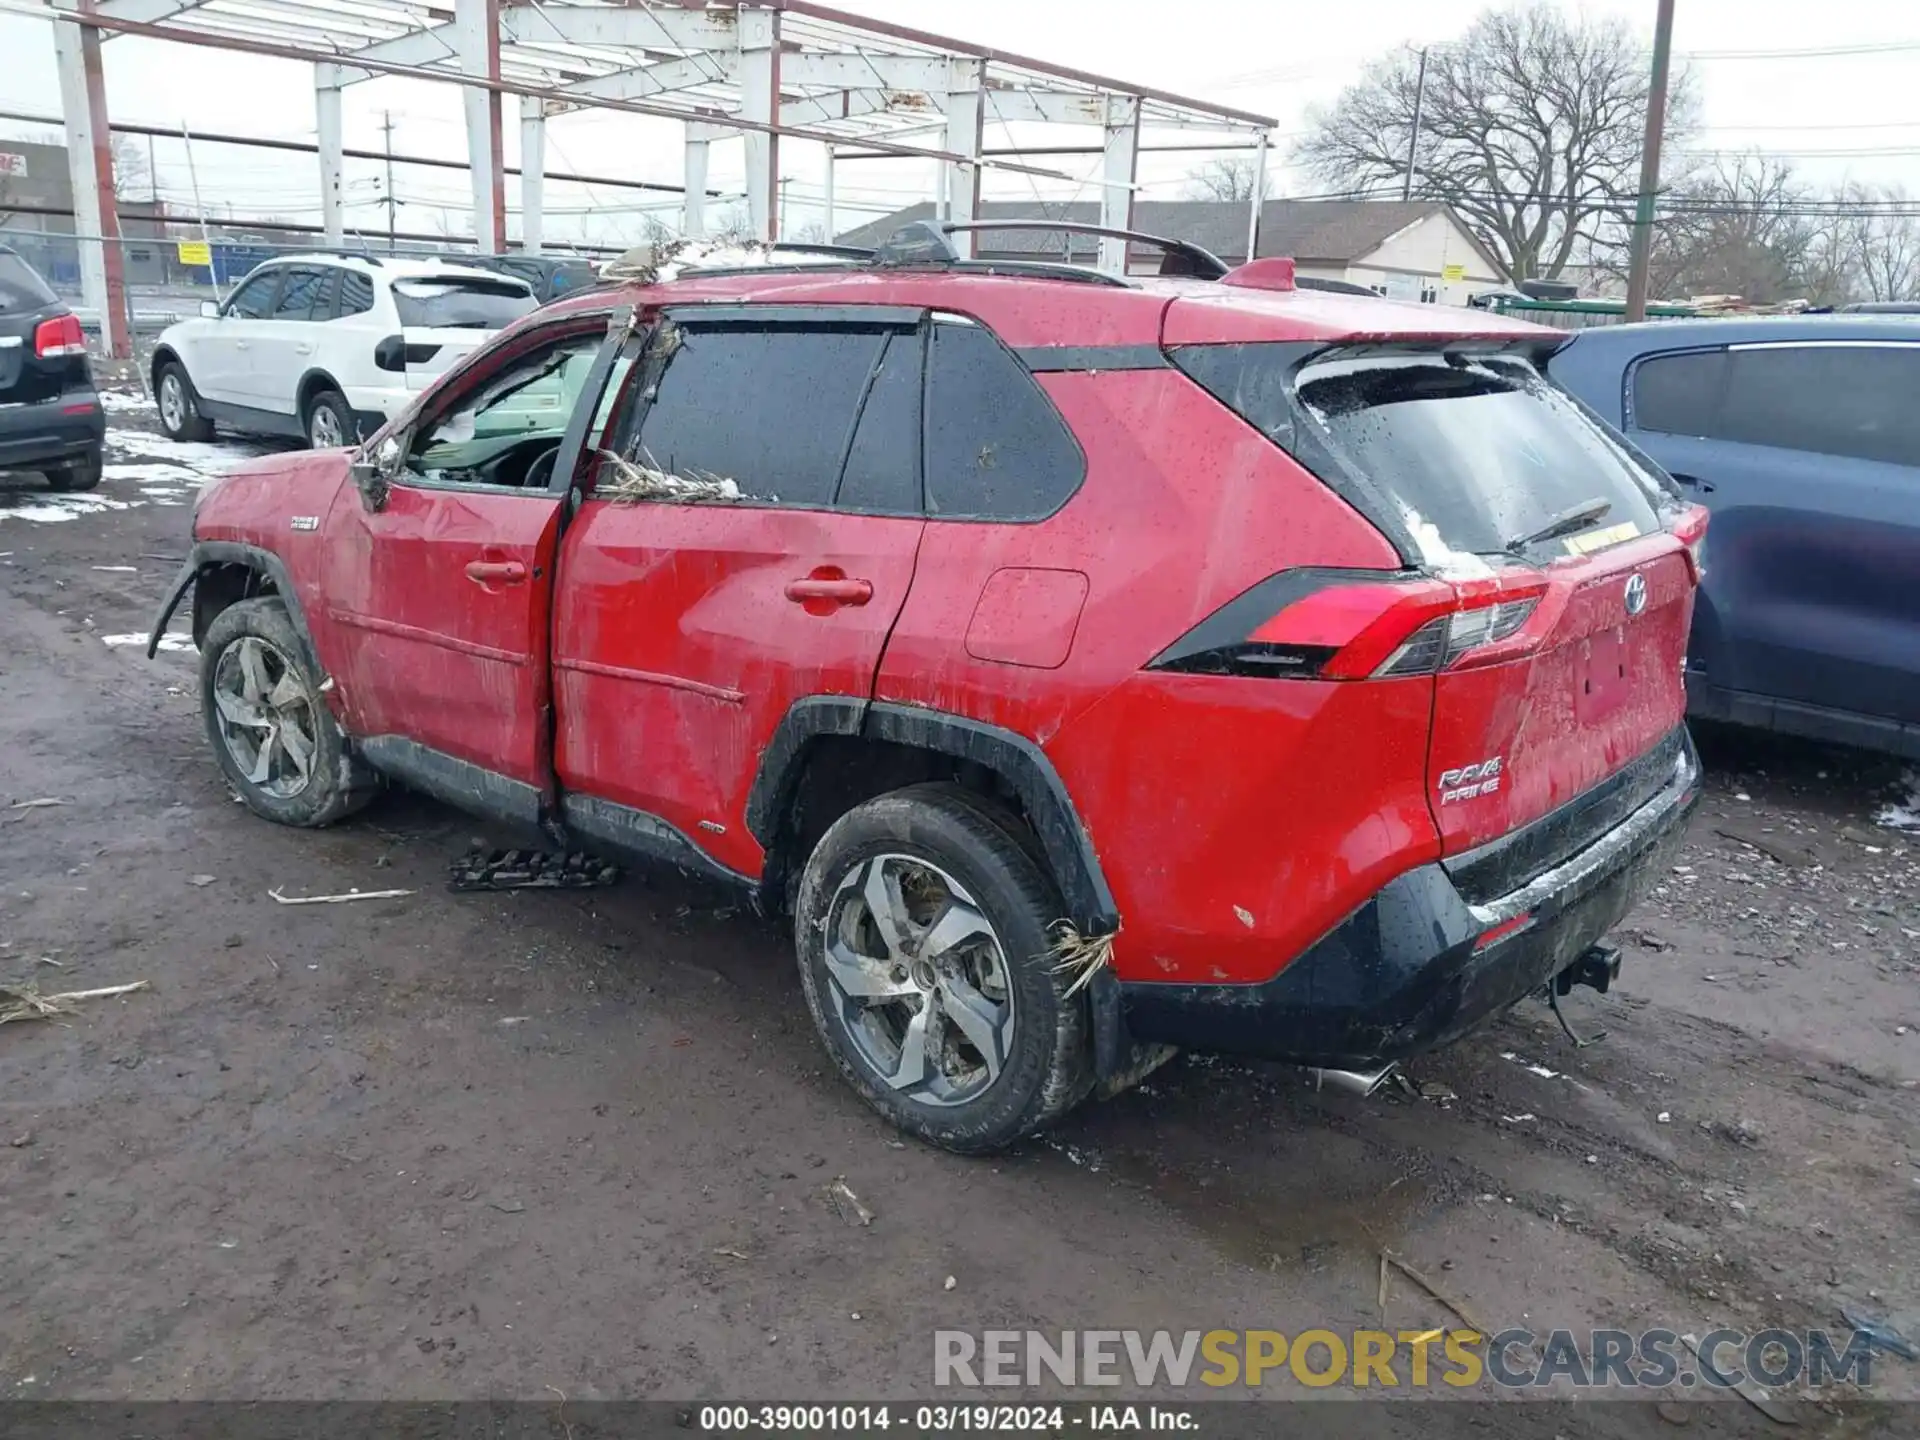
column 1836, row 115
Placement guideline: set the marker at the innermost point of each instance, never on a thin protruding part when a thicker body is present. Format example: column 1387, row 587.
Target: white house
column 1416, row 250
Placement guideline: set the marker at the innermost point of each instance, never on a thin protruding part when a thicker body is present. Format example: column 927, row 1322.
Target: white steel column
column 83, row 103
column 326, row 118
column 1259, row 191
column 693, row 175
column 826, row 199
column 533, row 173
column 478, row 24
column 760, row 100
column 1121, row 141
column 966, row 80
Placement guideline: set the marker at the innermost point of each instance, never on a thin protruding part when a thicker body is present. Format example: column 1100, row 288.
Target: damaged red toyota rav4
column 1086, row 667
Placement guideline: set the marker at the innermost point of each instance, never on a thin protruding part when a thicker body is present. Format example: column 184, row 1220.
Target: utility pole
column 386, row 129
column 1413, row 135
column 1642, row 255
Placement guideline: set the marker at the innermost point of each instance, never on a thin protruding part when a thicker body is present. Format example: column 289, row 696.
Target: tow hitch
column 1599, row 968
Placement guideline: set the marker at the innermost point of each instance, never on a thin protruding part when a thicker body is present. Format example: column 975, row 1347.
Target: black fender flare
column 233, row 552
column 1019, row 762
column 1026, row 770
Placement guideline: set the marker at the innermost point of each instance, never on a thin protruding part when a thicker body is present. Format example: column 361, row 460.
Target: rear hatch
column 445, row 318
column 1502, row 482
column 1541, row 547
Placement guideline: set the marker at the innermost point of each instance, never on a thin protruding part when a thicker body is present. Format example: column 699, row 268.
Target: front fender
column 208, row 553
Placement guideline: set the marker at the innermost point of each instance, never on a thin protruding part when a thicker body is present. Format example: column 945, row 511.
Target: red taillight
column 59, row 336
column 1362, row 625
column 1492, row 937
column 1691, row 530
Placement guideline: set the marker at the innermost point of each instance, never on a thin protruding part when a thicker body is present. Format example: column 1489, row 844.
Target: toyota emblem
column 1636, row 594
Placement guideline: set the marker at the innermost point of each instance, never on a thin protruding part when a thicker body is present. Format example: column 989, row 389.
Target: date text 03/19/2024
column 941, row 1419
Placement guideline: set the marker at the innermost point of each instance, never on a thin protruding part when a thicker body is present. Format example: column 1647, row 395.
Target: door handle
column 303, row 349
column 834, row 589
column 501, row 572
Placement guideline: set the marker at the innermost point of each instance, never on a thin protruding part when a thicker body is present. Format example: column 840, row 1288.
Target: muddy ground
column 580, row 1143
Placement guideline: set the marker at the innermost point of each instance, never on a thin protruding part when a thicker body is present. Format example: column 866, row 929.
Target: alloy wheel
column 919, row 980
column 173, row 402
column 323, row 429
column 266, row 716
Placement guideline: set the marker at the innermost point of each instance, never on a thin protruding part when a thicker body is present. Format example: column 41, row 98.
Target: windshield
column 1479, row 454
column 20, row 289
column 460, row 302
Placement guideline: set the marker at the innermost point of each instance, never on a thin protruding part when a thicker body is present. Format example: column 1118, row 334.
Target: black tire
column 1048, row 1065
column 81, row 474
column 187, row 424
column 334, row 784
column 329, row 406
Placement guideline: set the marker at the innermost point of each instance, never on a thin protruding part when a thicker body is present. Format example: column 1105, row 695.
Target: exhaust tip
column 1353, row 1082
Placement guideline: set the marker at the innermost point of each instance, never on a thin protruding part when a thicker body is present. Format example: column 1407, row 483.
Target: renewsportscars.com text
column 1389, row 1359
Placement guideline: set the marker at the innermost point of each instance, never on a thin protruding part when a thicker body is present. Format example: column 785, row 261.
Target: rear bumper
column 45, row 433
column 1407, row 972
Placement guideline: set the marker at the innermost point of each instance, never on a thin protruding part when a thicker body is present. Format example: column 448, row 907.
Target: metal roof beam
column 861, row 72
column 668, row 75
column 1044, row 107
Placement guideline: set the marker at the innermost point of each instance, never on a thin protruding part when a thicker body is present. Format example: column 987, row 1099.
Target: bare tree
column 1885, row 242
column 1222, row 179
column 1742, row 228
column 1530, row 127
column 132, row 174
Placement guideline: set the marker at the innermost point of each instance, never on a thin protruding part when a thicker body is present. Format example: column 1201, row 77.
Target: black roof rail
column 1183, row 257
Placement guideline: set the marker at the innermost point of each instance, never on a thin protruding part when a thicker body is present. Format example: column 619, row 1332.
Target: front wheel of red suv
column 921, row 928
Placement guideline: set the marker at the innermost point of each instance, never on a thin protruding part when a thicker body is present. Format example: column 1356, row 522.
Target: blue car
column 1802, row 435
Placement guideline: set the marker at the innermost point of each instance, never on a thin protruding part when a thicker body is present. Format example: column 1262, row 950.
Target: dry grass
column 631, row 484
column 1079, row 956
column 25, row 1002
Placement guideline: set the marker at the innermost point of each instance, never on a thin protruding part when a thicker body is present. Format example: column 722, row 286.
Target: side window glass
column 766, row 407
column 356, row 293
column 1679, row 394
column 254, row 298
column 301, row 293
column 995, row 446
column 1855, row 401
column 507, row 430
column 883, row 464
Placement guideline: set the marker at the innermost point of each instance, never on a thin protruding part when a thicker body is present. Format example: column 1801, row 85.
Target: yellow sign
column 195, row 252
column 1453, row 274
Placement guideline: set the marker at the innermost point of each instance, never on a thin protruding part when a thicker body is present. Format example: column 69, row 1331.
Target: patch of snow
column 656, row 265
column 1903, row 815
column 52, row 509
column 215, row 458
column 1439, row 556
column 116, row 402
column 171, row 640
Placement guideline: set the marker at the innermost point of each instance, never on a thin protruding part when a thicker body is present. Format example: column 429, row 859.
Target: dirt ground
column 451, row 1146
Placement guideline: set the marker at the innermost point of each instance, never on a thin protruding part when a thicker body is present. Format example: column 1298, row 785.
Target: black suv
column 50, row 417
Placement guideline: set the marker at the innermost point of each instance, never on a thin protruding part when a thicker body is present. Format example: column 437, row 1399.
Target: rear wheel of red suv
column 922, row 933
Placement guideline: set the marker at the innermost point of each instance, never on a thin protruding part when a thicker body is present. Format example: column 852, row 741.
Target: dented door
column 684, row 630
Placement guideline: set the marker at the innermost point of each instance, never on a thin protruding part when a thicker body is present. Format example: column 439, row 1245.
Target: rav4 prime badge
column 1467, row 781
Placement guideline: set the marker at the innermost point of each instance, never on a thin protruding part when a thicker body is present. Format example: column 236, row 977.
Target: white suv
column 326, row 347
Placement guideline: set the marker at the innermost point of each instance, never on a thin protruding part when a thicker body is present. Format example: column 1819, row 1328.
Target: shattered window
column 768, row 408
column 995, row 446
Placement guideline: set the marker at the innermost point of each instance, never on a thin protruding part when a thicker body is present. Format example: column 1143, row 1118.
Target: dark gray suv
column 1802, row 436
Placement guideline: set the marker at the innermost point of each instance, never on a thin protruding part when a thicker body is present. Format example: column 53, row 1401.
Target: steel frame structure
column 765, row 71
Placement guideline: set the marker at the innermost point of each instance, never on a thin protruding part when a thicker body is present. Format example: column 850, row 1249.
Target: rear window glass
column 460, row 302
column 1476, row 453
column 20, row 289
column 1679, row 394
column 995, row 448
column 1851, row 400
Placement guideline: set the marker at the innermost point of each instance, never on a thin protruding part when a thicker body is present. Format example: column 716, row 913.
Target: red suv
column 1088, row 667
